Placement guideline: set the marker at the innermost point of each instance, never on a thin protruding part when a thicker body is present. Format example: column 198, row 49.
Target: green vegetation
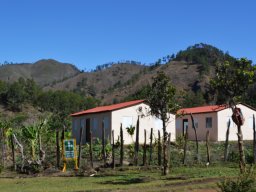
column 244, row 183
column 162, row 102
column 130, row 179
column 36, row 143
column 203, row 54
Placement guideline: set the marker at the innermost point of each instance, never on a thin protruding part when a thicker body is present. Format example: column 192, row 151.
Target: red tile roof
column 202, row 109
column 108, row 108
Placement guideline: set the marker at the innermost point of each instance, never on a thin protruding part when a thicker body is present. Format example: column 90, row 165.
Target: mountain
column 189, row 70
column 43, row 72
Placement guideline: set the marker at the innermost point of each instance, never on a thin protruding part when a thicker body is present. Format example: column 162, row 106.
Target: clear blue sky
column 92, row 32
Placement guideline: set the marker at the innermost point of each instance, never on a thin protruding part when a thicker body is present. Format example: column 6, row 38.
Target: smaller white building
column 111, row 117
column 215, row 120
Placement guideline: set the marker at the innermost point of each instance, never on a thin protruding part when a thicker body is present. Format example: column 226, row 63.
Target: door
column 185, row 126
column 87, row 130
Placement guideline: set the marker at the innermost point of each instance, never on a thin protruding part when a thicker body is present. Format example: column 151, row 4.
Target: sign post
column 69, row 152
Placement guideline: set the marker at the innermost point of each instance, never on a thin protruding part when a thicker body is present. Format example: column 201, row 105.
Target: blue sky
column 93, row 32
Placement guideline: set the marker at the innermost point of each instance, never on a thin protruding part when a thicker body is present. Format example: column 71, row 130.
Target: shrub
column 244, row 183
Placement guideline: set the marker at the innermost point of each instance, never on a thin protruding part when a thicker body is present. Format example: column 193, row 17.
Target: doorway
column 185, row 126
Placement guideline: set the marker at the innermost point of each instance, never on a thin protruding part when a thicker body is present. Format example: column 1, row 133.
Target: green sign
column 70, row 149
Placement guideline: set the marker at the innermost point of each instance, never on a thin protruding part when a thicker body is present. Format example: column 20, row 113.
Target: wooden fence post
column 185, row 148
column 150, row 146
column 113, row 150
column 169, row 147
column 13, row 152
column 226, row 142
column 57, row 148
column 194, row 127
column 80, row 146
column 103, row 144
column 145, row 148
column 159, row 149
column 136, row 151
column 122, row 146
column 90, row 150
column 207, row 146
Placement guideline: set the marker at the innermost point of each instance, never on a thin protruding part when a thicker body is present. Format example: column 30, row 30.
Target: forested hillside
column 190, row 70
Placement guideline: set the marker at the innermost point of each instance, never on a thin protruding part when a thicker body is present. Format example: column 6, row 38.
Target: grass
column 130, row 179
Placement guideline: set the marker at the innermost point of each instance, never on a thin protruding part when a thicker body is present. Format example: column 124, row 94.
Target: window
column 208, row 122
column 126, row 122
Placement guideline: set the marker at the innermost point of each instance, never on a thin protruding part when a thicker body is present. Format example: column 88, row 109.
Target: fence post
column 159, row 149
column 113, row 150
column 150, row 146
column 145, row 148
column 122, row 146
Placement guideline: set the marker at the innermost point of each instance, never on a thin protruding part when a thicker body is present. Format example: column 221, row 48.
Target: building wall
column 200, row 119
column 128, row 116
column 219, row 125
column 96, row 123
column 247, row 128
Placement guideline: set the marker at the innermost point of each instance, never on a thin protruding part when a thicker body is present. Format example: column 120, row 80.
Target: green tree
column 191, row 99
column 3, row 92
column 61, row 104
column 232, row 82
column 162, row 102
column 16, row 96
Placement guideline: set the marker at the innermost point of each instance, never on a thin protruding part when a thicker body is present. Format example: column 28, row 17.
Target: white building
column 214, row 119
column 112, row 116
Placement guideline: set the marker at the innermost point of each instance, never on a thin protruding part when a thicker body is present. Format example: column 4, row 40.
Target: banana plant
column 31, row 135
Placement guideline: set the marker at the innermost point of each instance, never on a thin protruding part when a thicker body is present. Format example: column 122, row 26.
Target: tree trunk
column 145, row 148
column 13, row 153
column 207, row 146
column 113, row 150
column 159, row 149
column 90, row 150
column 41, row 151
column 21, row 151
column 241, row 149
column 227, row 143
column 150, row 146
column 80, row 146
column 165, row 154
column 194, row 127
column 103, row 144
column 57, row 149
column 122, row 146
column 169, row 148
column 136, row 151
column 254, row 140
column 185, row 148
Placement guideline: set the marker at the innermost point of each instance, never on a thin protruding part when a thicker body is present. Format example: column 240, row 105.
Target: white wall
column 247, row 129
column 146, row 122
